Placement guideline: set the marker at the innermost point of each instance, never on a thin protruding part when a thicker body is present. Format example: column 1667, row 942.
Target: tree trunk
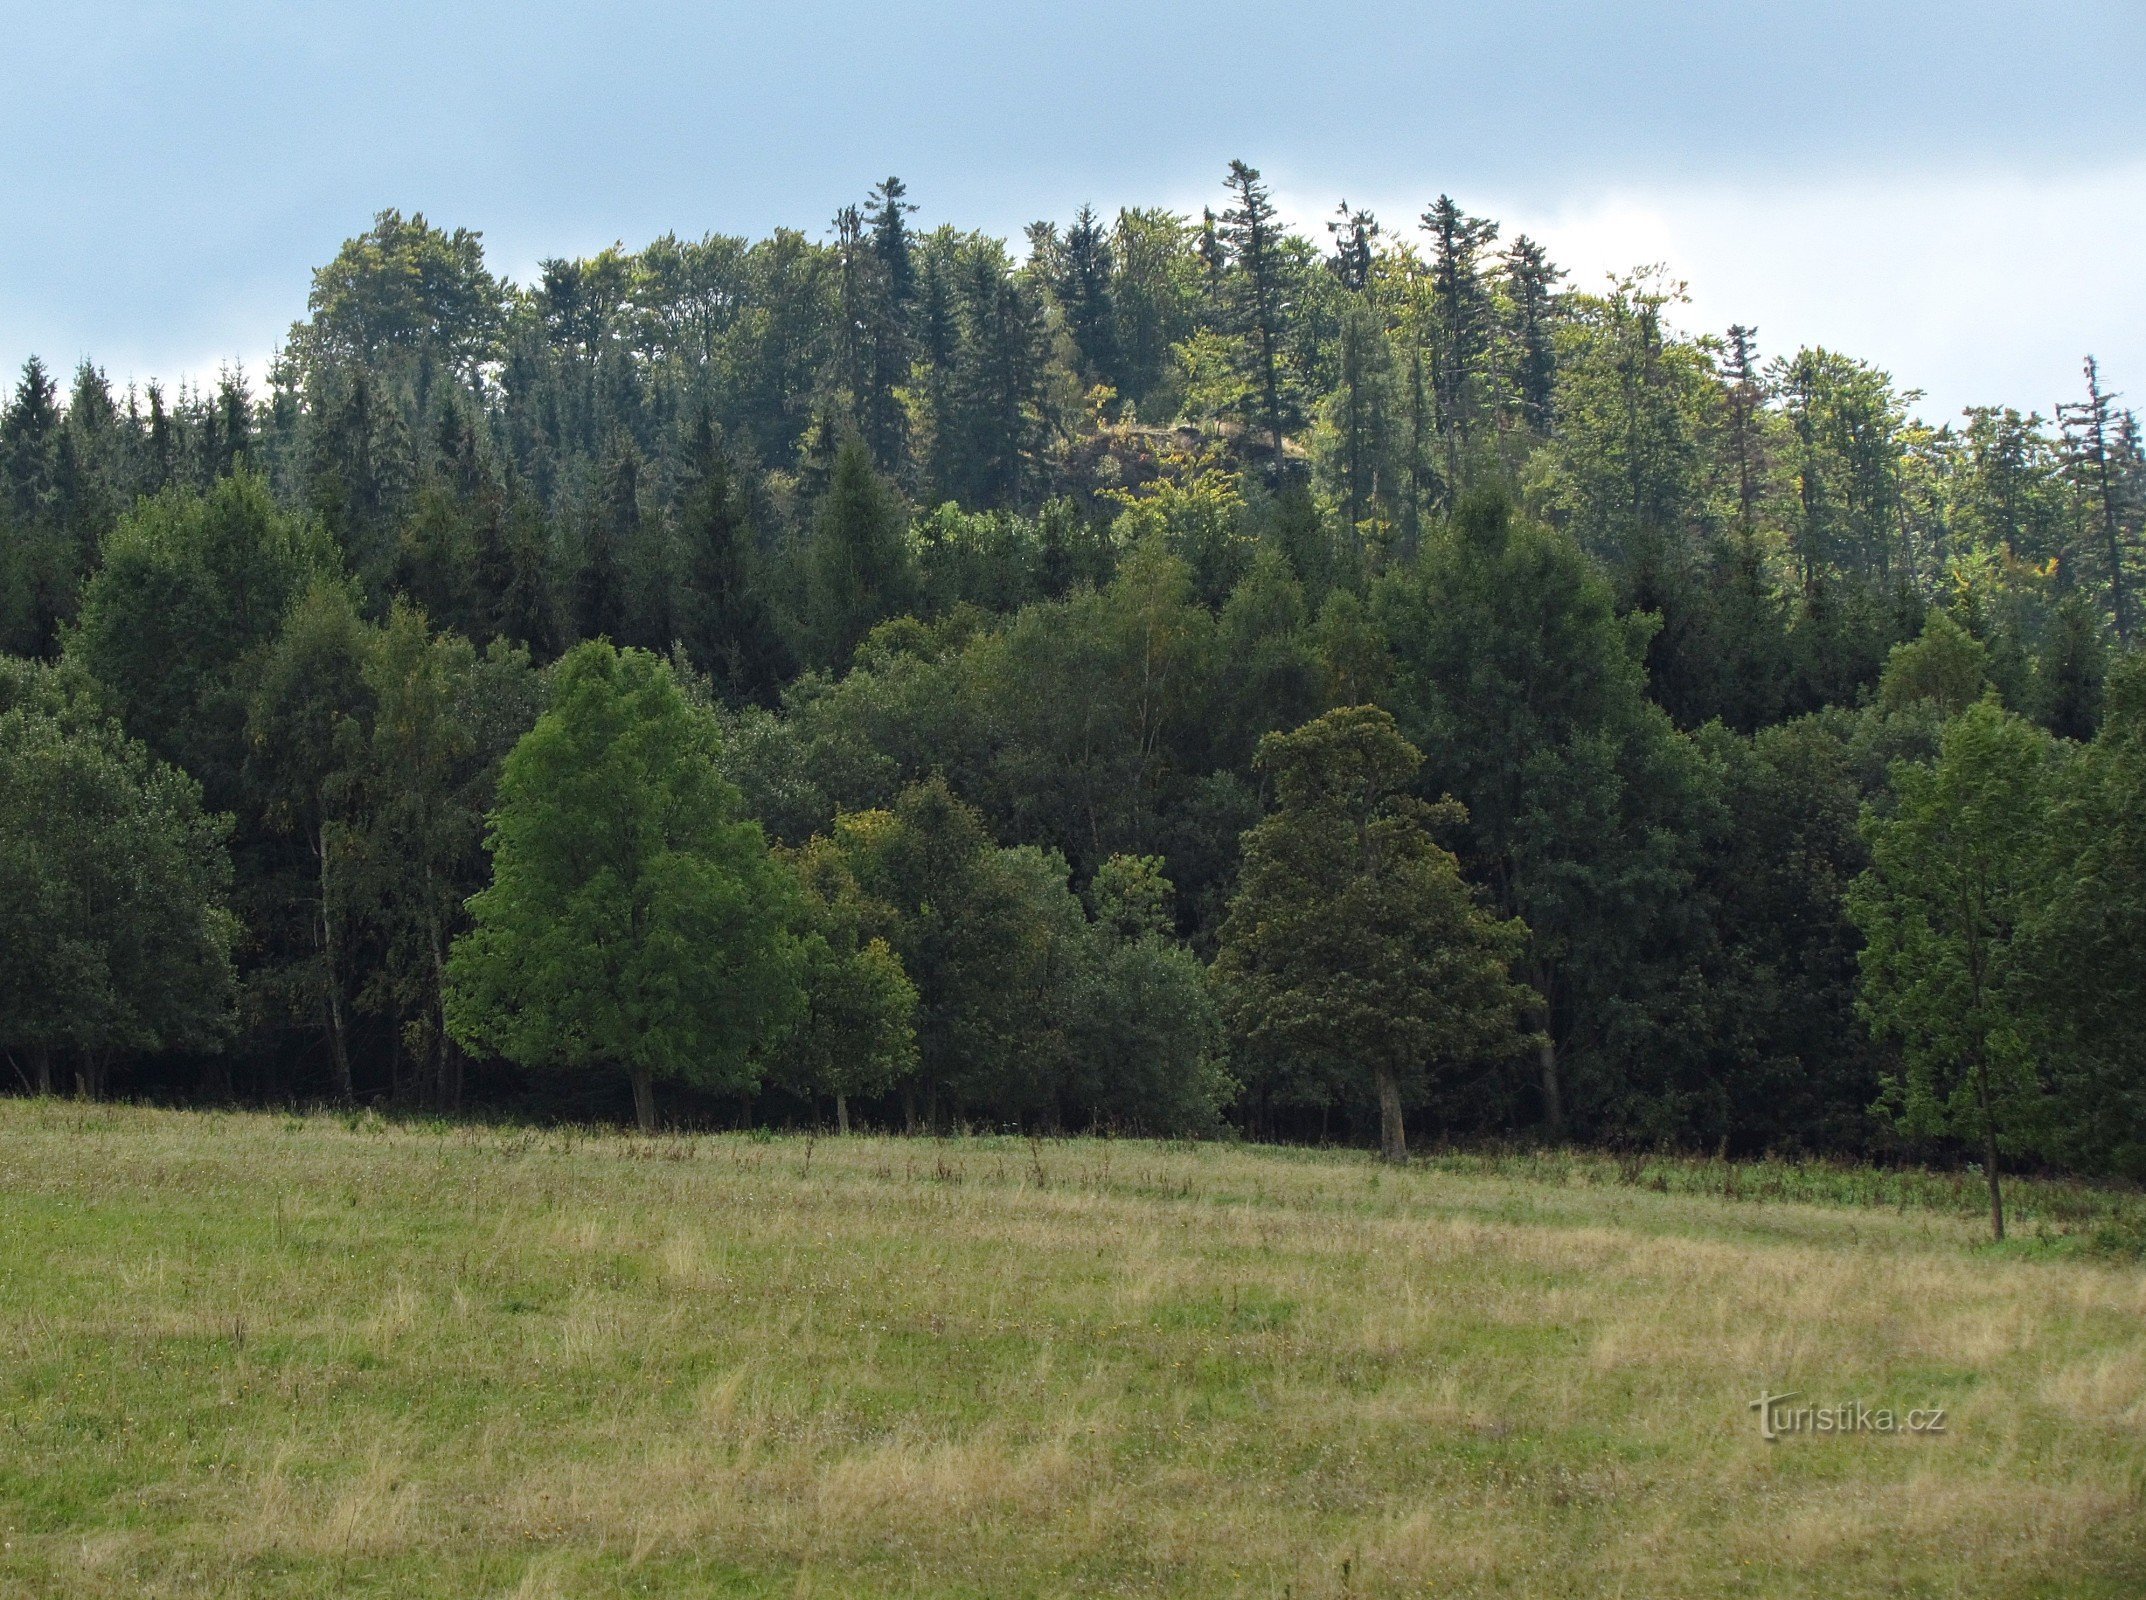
column 1996, row 1191
column 1989, row 1138
column 1393, row 1139
column 644, row 1099
column 1553, row 1095
column 842, row 1113
column 41, row 1059
column 91, row 1072
column 437, row 1088
column 338, row 1045
column 1553, row 1100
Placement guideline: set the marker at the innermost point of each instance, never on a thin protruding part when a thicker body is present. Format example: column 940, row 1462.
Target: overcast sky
column 1957, row 192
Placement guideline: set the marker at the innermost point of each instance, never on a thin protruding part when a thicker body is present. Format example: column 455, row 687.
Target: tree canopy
column 635, row 922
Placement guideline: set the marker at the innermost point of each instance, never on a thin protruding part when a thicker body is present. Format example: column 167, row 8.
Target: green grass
column 268, row 1355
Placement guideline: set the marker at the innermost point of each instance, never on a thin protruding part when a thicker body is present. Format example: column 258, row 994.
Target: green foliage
column 1793, row 1069
column 113, row 888
column 1147, row 1050
column 2083, row 935
column 1947, row 666
column 635, row 922
column 1949, row 889
column 1515, row 675
column 858, row 564
column 191, row 587
column 405, row 289
column 858, row 1032
column 1089, row 632
column 1353, row 945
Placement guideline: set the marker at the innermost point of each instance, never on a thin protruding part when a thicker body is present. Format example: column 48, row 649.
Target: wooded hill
column 982, row 575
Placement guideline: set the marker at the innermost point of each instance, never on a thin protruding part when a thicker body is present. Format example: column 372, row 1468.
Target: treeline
column 983, row 580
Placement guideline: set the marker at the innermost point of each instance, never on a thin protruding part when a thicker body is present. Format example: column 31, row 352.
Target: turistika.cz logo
column 1778, row 1418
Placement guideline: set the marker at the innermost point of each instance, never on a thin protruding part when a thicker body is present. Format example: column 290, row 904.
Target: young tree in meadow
column 858, row 1032
column 635, row 922
column 1353, row 941
column 1954, row 875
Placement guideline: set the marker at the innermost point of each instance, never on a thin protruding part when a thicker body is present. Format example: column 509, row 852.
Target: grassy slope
column 255, row 1355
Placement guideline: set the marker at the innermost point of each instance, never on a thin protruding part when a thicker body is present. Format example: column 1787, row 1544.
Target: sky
column 1956, row 192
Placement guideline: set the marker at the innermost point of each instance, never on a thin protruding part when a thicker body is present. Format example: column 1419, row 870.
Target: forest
column 1165, row 674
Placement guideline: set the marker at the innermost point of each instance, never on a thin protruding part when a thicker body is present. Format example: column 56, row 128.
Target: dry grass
column 256, row 1355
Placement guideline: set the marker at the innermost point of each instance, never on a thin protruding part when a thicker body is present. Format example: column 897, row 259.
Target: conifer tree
column 2091, row 429
column 1461, row 314
column 1251, row 228
column 857, row 567
column 726, row 625
column 1531, row 297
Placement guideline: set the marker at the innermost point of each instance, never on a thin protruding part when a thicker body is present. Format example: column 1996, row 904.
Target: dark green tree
column 857, row 567
column 1258, row 276
column 2085, row 986
column 1353, row 941
column 305, row 725
column 1586, row 810
column 113, row 890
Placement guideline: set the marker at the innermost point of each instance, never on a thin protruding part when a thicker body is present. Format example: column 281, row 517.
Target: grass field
column 247, row 1354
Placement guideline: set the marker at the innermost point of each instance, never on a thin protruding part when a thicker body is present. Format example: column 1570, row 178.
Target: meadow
column 252, row 1354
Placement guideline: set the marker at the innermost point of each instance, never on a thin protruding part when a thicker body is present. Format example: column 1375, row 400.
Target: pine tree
column 1083, row 289
column 600, row 584
column 1355, row 236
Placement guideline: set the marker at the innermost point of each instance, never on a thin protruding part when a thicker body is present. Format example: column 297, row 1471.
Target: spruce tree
column 1531, row 297
column 1461, row 314
column 2091, row 429
column 726, row 624
column 1251, row 228
column 857, row 567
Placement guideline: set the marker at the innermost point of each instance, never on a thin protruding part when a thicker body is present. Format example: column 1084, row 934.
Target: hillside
column 270, row 1355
